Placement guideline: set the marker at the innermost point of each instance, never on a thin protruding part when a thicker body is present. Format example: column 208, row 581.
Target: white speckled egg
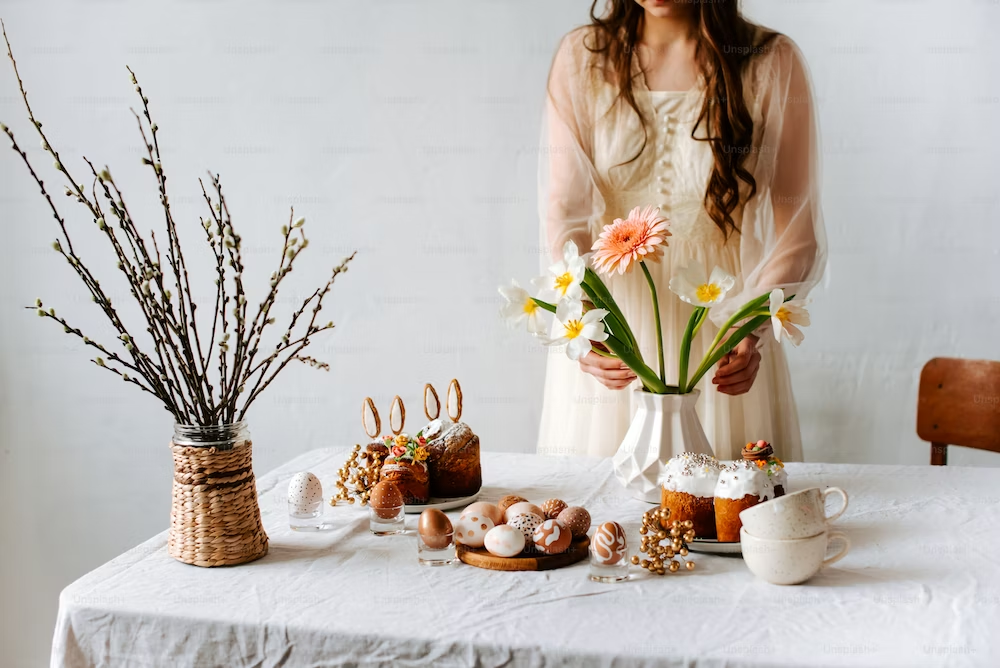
column 526, row 523
column 504, row 541
column 305, row 493
column 471, row 529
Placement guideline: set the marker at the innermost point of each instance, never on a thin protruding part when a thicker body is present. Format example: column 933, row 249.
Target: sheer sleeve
column 568, row 196
column 782, row 238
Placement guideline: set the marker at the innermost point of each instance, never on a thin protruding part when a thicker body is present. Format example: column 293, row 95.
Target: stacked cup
column 785, row 540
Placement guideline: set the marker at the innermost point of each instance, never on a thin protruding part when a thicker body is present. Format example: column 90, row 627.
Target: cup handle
column 837, row 535
column 843, row 495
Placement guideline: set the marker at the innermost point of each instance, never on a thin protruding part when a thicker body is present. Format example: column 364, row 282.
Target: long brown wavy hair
column 724, row 46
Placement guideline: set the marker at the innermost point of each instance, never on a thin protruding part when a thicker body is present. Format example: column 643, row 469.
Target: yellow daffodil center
column 783, row 314
column 563, row 282
column 573, row 329
column 708, row 292
column 530, row 306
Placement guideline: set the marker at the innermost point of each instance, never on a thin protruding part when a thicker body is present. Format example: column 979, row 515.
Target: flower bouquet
column 205, row 366
column 587, row 319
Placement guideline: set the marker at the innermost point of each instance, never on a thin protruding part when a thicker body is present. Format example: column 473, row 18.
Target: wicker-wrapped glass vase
column 214, row 515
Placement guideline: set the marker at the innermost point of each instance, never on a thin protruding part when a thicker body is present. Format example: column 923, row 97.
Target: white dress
column 781, row 241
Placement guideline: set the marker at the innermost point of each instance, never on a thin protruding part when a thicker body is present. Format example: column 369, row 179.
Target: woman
column 689, row 107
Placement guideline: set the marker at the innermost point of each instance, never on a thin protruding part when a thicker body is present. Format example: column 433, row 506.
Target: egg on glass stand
column 471, row 529
column 609, row 545
column 522, row 508
column 576, row 519
column 526, row 523
column 484, row 509
column 305, row 493
column 385, row 499
column 552, row 537
column 504, row 541
column 435, row 529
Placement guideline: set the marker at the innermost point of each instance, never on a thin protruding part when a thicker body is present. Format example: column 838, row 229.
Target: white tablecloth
column 921, row 586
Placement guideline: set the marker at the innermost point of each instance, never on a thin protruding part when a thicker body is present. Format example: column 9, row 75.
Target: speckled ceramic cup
column 798, row 515
column 789, row 562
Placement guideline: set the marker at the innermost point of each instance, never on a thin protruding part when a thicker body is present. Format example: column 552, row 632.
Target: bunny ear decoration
column 432, row 393
column 396, row 401
column 368, row 406
column 453, row 386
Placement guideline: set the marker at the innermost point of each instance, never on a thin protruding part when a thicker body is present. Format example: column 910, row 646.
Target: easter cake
column 742, row 484
column 453, row 449
column 688, row 486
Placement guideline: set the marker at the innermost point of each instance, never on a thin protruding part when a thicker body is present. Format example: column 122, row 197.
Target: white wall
column 406, row 130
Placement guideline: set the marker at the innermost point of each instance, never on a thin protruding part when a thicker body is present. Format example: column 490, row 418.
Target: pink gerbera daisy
column 640, row 236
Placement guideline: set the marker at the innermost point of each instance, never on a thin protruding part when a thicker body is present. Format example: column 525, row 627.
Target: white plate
column 712, row 546
column 441, row 504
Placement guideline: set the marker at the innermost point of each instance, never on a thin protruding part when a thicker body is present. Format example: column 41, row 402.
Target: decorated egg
column 484, row 509
column 434, row 528
column 526, row 523
column 520, row 508
column 471, row 529
column 608, row 544
column 385, row 499
column 504, row 541
column 553, row 507
column 305, row 493
column 552, row 537
column 508, row 501
column 577, row 519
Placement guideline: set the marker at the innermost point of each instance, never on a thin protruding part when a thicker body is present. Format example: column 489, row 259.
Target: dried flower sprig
column 199, row 381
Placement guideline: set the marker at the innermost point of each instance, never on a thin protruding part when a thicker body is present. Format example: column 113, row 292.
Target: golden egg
column 435, row 529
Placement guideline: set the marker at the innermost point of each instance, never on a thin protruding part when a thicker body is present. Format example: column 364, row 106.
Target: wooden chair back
column 959, row 404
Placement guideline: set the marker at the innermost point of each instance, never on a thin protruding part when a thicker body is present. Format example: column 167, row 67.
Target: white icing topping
column 742, row 477
column 694, row 474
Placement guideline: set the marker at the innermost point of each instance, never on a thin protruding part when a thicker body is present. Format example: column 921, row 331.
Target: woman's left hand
column 738, row 368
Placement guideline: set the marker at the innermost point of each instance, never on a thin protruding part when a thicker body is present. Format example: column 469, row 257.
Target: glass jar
column 214, row 514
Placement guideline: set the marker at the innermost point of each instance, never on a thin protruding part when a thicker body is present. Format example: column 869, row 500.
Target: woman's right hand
column 612, row 373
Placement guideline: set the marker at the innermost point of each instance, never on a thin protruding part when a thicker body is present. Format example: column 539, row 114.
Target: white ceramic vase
column 664, row 425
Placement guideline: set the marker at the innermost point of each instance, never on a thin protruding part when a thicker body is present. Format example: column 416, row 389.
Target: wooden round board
column 479, row 557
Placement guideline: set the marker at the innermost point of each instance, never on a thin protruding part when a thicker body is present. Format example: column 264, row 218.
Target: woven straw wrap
column 214, row 516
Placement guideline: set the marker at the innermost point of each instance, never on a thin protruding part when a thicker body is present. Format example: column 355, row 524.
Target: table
column 921, row 586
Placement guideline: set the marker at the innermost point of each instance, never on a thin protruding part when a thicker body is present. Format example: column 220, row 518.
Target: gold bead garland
column 357, row 476
column 662, row 556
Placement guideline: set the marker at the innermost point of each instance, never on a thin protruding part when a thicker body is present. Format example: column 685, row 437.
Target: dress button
column 661, row 178
column 662, row 191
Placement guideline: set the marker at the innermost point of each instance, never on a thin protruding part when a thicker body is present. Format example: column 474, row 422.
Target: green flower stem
column 616, row 325
column 714, row 356
column 646, row 375
column 551, row 308
column 656, row 315
column 694, row 322
column 743, row 312
column 624, row 351
column 599, row 292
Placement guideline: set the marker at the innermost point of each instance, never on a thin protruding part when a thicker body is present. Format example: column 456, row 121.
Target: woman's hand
column 611, row 372
column 738, row 368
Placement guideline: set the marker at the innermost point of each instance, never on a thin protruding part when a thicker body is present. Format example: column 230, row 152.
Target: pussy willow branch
column 179, row 376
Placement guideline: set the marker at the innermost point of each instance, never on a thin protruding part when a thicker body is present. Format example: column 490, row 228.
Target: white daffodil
column 691, row 285
column 577, row 329
column 786, row 315
column 564, row 277
column 520, row 307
